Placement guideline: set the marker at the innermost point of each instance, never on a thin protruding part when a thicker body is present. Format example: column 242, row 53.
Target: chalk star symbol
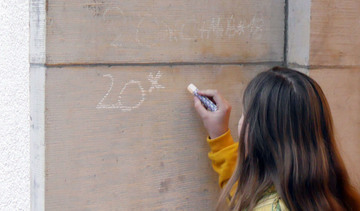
column 154, row 81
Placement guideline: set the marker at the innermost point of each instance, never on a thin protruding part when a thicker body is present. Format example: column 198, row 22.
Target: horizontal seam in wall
column 155, row 64
column 295, row 65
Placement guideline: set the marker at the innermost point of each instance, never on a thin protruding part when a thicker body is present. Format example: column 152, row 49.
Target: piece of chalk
column 192, row 88
column 206, row 101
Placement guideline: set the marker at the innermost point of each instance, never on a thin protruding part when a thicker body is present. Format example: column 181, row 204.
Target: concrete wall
column 337, row 76
column 14, row 105
column 147, row 53
column 335, row 64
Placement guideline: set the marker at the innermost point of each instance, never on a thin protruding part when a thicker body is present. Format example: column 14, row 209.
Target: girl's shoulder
column 271, row 201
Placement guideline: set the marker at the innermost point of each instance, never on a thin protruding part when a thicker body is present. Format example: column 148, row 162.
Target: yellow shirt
column 223, row 156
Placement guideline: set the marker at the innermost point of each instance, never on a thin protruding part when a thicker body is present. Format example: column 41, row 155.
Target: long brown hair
column 287, row 141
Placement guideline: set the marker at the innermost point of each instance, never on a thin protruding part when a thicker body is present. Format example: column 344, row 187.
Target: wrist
column 220, row 142
column 216, row 134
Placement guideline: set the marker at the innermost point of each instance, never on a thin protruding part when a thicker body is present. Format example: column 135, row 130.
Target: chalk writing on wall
column 121, row 104
column 151, row 30
column 192, row 30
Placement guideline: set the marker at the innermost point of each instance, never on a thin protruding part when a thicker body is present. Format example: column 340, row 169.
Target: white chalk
column 205, row 101
column 192, row 88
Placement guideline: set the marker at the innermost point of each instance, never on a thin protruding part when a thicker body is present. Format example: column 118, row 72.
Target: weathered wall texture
column 120, row 127
column 118, row 124
column 335, row 64
column 144, row 151
column 146, row 31
column 14, row 105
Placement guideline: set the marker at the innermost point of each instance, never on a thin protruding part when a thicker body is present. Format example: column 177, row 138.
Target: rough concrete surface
column 14, row 105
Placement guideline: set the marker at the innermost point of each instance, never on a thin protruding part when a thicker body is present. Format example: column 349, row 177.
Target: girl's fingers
column 200, row 108
column 219, row 100
column 208, row 92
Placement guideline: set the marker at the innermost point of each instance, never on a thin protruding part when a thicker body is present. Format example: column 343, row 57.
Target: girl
column 286, row 157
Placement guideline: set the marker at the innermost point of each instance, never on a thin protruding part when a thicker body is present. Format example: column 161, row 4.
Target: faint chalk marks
column 186, row 30
column 112, row 12
column 216, row 28
column 148, row 38
column 230, row 28
column 154, row 81
column 100, row 104
column 117, row 42
column 131, row 107
column 256, row 25
column 151, row 30
column 131, row 85
column 115, row 14
column 233, row 29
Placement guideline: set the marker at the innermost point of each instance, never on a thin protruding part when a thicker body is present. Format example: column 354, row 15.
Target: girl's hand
column 217, row 122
